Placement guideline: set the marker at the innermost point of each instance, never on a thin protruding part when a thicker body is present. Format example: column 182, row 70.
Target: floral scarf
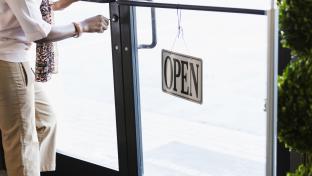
column 46, row 60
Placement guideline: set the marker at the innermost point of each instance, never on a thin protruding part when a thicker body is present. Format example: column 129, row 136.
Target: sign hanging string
column 180, row 32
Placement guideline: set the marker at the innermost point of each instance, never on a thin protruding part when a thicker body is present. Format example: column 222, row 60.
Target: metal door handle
column 154, row 33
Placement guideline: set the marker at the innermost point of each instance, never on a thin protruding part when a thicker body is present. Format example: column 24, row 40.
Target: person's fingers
column 106, row 21
column 104, row 24
column 105, row 28
column 102, row 29
column 98, row 24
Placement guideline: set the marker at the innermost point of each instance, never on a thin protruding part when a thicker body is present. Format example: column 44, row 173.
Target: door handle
column 154, row 32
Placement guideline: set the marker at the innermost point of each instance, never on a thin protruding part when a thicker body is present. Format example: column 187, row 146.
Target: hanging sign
column 182, row 76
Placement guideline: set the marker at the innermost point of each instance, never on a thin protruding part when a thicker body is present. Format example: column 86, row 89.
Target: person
column 27, row 121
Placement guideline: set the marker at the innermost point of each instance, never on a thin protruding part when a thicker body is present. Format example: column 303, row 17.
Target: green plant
column 295, row 105
column 302, row 170
column 295, row 85
column 295, row 22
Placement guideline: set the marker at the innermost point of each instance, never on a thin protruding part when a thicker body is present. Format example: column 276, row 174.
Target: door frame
column 128, row 12
column 127, row 89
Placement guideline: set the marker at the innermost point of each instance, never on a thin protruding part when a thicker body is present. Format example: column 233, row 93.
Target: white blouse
column 21, row 23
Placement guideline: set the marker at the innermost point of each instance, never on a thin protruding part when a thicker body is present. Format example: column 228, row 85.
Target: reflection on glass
column 85, row 92
column 226, row 135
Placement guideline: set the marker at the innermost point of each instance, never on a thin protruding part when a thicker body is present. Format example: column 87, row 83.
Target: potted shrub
column 295, row 85
column 302, row 171
column 295, row 22
column 295, row 108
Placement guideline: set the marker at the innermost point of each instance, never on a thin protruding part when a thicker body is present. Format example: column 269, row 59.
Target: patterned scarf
column 46, row 60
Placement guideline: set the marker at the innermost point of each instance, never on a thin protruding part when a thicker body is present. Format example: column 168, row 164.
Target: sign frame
column 188, row 57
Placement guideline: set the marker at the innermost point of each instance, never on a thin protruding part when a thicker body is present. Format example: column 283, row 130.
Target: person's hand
column 97, row 23
column 62, row 4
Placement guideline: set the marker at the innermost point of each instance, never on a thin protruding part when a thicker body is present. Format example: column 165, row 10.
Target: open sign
column 182, row 75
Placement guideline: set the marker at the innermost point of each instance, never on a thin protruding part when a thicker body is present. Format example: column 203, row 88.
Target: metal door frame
column 126, row 81
column 128, row 39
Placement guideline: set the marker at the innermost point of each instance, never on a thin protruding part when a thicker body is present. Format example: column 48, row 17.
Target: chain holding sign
column 182, row 76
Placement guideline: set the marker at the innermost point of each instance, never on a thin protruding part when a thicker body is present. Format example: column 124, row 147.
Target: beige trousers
column 26, row 120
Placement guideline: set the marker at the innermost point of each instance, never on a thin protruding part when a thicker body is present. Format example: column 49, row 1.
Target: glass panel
column 84, row 91
column 226, row 135
column 252, row 4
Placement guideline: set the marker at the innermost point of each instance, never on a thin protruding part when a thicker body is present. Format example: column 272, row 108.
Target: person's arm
column 36, row 29
column 58, row 33
column 62, row 4
column 94, row 24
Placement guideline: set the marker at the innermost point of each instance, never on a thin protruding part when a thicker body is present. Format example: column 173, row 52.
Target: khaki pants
column 26, row 120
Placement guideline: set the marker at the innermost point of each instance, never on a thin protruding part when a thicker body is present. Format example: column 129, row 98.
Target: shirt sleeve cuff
column 42, row 31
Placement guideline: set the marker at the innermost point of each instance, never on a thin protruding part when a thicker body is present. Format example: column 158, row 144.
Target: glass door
column 87, row 106
column 226, row 134
column 232, row 132
column 83, row 97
